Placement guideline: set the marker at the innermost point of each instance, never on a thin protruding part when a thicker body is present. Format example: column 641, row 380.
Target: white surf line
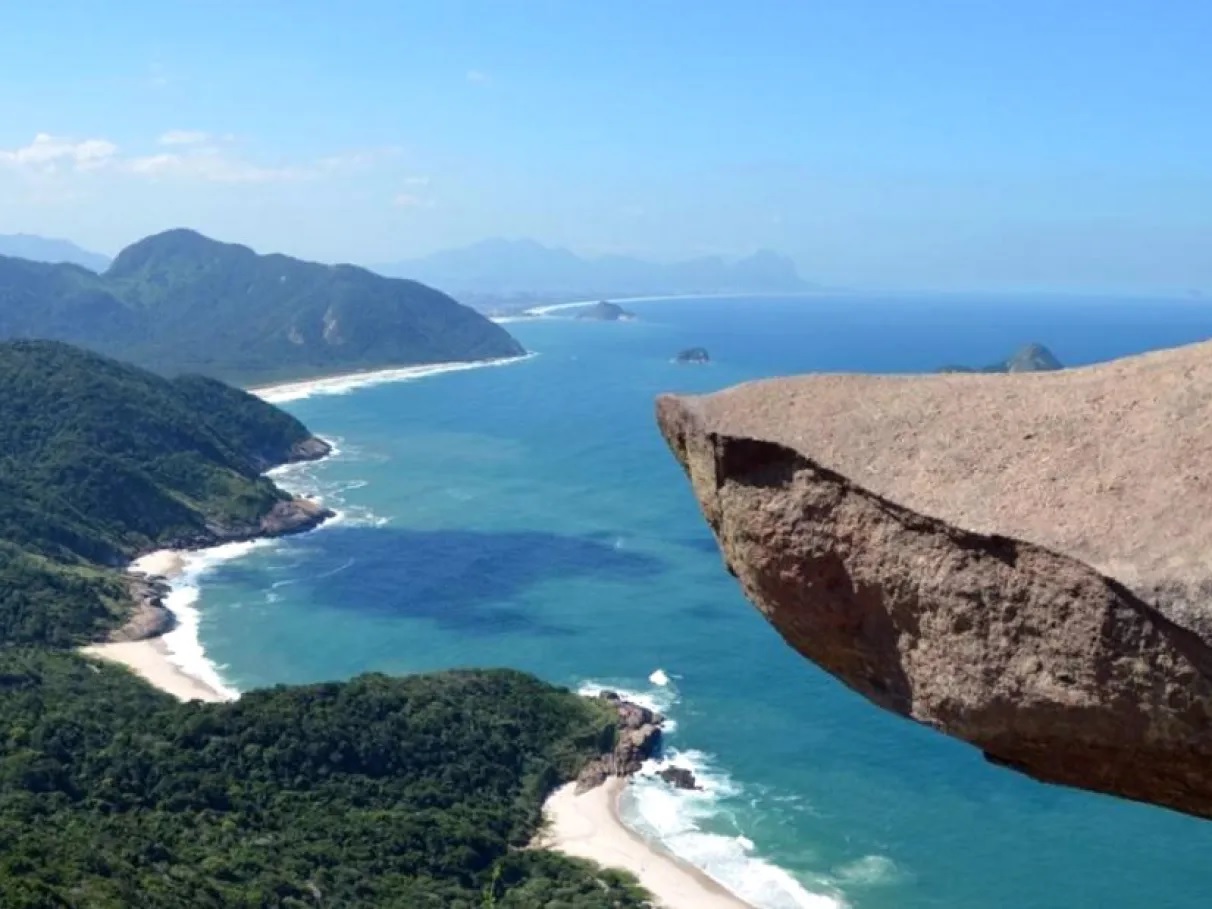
column 343, row 383
column 549, row 308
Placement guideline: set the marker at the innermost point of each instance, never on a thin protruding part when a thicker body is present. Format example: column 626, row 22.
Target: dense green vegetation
column 100, row 461
column 378, row 792
column 179, row 302
column 411, row 793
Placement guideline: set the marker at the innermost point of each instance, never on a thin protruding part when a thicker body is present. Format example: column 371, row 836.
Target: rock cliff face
column 1017, row 561
column 638, row 737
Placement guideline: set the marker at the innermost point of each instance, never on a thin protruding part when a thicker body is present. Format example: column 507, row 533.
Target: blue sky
column 904, row 143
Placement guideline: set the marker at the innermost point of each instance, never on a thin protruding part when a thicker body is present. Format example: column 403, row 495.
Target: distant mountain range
column 50, row 249
column 181, row 302
column 525, row 270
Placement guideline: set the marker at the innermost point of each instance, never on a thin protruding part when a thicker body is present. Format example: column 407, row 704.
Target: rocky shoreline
column 639, row 737
column 150, row 618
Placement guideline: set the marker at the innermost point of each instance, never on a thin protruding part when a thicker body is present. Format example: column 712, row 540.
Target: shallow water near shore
column 530, row 516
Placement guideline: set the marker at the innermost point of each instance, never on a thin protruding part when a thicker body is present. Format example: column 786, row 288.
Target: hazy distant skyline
column 978, row 145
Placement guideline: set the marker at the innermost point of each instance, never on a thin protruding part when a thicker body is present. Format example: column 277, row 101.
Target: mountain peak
column 180, row 300
column 179, row 242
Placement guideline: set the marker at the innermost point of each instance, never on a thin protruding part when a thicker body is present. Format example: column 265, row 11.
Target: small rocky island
column 693, row 355
column 1029, row 358
column 605, row 311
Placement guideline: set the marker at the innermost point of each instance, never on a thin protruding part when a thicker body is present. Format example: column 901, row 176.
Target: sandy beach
column 163, row 563
column 588, row 826
column 342, row 383
column 150, row 659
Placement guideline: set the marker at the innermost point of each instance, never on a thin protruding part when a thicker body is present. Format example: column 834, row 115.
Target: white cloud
column 359, row 159
column 411, row 200
column 416, row 181
column 49, row 154
column 478, row 77
column 211, row 166
column 186, row 155
column 183, row 137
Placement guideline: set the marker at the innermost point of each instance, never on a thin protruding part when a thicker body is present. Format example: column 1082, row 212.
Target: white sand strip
column 343, row 383
column 164, row 563
column 588, row 826
column 149, row 659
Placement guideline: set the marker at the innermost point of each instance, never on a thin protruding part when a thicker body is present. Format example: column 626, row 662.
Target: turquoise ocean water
column 530, row 516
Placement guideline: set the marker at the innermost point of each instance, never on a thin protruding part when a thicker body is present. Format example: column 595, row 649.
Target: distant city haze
column 876, row 145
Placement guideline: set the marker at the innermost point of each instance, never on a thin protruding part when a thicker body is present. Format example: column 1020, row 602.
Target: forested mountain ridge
column 181, row 302
column 100, row 461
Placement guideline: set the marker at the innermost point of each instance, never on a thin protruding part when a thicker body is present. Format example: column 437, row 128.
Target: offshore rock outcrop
column 680, row 778
column 1017, row 561
column 637, row 738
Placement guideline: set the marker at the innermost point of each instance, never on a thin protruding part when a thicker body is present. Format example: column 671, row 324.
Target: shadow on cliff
column 461, row 579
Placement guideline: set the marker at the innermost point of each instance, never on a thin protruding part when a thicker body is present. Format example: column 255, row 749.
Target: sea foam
column 183, row 644
column 681, row 820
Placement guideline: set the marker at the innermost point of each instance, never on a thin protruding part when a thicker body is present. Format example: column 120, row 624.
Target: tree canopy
column 100, row 461
column 378, row 792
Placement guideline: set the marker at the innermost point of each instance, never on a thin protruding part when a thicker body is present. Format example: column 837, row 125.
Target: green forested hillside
column 100, row 461
column 411, row 793
column 180, row 302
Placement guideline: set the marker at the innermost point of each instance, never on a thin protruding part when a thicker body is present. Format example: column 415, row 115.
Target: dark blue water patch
column 464, row 580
